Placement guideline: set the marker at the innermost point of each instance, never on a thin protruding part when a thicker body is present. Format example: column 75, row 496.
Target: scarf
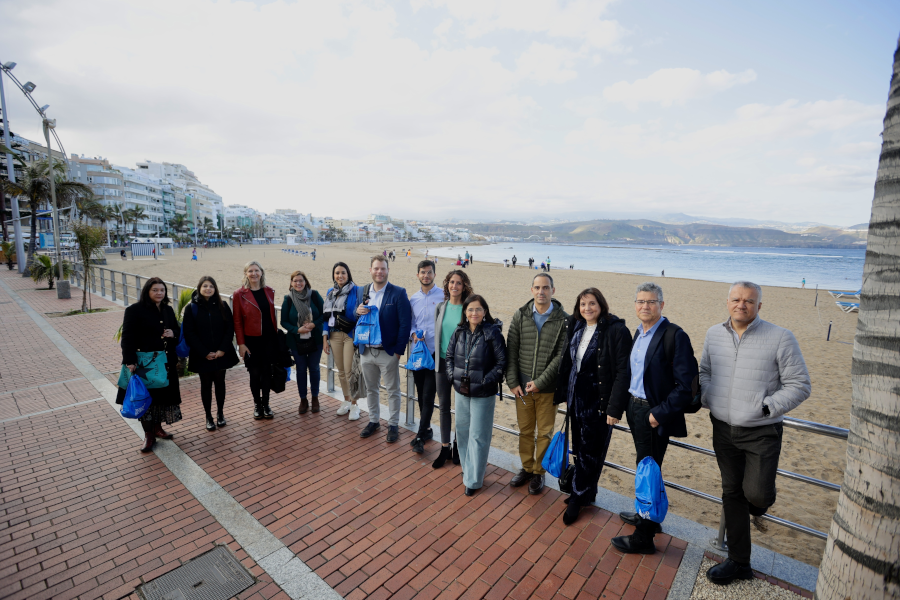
column 336, row 299
column 301, row 303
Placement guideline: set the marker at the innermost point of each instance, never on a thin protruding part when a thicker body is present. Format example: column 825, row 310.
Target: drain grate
column 216, row 575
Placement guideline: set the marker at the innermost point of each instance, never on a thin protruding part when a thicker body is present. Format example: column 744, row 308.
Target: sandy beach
column 694, row 305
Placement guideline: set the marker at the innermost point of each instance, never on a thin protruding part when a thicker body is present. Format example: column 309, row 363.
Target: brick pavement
column 373, row 520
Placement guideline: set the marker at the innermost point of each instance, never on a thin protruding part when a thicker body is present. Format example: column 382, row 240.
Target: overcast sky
column 513, row 109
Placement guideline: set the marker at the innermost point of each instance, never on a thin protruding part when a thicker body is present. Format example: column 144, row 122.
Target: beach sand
column 694, row 305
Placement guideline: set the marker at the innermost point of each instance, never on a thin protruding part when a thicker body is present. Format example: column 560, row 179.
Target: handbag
column 355, row 378
column 279, row 378
column 137, row 399
column 304, row 345
column 368, row 331
column 151, row 367
column 565, row 482
column 183, row 350
column 420, row 359
column 556, row 459
column 342, row 323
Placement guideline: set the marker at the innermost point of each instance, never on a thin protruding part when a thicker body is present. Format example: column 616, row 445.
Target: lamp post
column 62, row 286
column 17, row 223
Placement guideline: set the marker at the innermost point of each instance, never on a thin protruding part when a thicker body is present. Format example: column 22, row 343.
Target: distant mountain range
column 644, row 231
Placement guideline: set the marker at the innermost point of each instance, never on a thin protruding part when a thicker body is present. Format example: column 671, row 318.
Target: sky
column 475, row 109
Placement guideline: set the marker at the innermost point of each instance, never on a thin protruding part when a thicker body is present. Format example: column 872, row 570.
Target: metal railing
column 125, row 285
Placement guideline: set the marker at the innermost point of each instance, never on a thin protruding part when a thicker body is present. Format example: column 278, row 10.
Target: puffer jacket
column 487, row 359
column 532, row 354
column 766, row 367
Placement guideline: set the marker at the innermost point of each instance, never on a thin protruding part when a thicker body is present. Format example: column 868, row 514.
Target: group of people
column 751, row 374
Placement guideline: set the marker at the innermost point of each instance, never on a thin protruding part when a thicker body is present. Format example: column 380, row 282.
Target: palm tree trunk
column 862, row 555
column 3, row 213
column 33, row 236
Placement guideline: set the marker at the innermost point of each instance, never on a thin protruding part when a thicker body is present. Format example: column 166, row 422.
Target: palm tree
column 133, row 215
column 35, row 187
column 862, row 555
column 178, row 222
column 207, row 225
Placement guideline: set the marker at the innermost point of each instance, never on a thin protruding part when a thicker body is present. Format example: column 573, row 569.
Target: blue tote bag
column 137, row 399
column 650, row 500
column 182, row 349
column 556, row 459
column 368, row 331
column 420, row 359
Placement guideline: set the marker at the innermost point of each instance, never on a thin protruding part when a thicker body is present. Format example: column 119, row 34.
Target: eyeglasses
column 475, row 309
column 650, row 303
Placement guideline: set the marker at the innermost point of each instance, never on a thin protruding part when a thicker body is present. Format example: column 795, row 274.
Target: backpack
column 669, row 349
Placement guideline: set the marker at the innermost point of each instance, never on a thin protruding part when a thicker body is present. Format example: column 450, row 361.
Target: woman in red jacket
column 255, row 327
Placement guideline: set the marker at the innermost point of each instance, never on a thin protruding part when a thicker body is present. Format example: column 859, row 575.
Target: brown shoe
column 149, row 439
column 520, row 478
column 161, row 433
column 315, row 404
column 304, row 406
column 536, row 485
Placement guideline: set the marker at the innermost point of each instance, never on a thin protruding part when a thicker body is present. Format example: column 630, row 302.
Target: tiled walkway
column 84, row 514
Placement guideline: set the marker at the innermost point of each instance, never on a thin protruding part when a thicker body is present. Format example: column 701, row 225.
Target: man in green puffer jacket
column 535, row 343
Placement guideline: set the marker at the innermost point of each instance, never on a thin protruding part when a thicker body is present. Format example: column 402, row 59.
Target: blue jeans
column 474, row 429
column 308, row 363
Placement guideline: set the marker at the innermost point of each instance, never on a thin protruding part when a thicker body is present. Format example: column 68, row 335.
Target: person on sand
column 337, row 331
column 422, row 310
column 593, row 383
column 803, row 284
column 514, row 261
column 535, row 342
column 301, row 318
column 208, row 329
column 752, row 372
column 149, row 325
column 662, row 370
column 255, row 328
column 548, row 263
column 475, row 362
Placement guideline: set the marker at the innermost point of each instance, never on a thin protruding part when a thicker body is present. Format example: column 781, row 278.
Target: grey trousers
column 474, row 429
column 378, row 365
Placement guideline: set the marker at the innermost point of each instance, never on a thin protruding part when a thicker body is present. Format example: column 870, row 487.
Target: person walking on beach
column 301, row 318
column 662, row 369
column 593, row 383
column 313, row 253
column 447, row 317
column 208, row 329
column 194, row 253
column 255, row 328
column 475, row 362
column 149, row 325
column 803, row 284
column 663, row 272
column 535, row 344
column 548, row 263
column 531, row 263
column 409, row 255
column 382, row 362
column 340, row 317
column 752, row 372
column 514, row 261
column 423, row 305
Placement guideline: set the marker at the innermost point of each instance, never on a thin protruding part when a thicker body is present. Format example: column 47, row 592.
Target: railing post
column 719, row 542
column 137, row 287
column 329, row 377
column 112, row 284
column 125, row 288
column 102, row 283
column 175, row 293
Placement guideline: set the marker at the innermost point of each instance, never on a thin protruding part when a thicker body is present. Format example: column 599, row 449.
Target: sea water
column 830, row 269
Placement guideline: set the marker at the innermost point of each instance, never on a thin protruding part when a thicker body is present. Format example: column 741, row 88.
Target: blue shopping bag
column 137, row 399
column 650, row 500
column 368, row 331
column 420, row 359
column 556, row 459
column 182, row 349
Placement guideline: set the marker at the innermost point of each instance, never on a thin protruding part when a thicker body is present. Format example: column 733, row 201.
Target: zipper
column 737, row 346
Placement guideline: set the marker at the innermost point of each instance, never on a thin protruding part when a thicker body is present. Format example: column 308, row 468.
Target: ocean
column 785, row 267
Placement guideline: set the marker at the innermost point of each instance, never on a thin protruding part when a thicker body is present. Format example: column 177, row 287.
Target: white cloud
column 442, row 30
column 674, row 86
column 545, row 63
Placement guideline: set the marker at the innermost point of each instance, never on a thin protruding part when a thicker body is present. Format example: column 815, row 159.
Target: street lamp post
column 17, row 223
column 62, row 286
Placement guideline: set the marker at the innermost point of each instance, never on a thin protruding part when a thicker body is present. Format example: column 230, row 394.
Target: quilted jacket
column 765, row 367
column 532, row 353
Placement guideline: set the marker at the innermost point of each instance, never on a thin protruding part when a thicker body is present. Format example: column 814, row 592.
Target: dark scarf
column 301, row 303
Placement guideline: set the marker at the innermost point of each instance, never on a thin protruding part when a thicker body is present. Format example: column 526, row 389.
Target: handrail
column 791, row 422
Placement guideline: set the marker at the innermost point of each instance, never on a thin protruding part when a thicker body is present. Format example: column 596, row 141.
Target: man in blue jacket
column 382, row 362
column 663, row 367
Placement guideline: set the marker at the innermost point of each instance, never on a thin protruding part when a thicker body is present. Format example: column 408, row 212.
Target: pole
column 816, row 303
column 61, row 290
column 17, row 224
column 828, row 337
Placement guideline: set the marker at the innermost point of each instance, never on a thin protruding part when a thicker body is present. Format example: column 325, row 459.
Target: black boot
column 220, row 419
column 210, row 424
column 639, row 542
column 728, row 571
column 258, row 411
column 455, row 453
column 267, row 412
column 149, row 437
column 572, row 510
column 442, row 458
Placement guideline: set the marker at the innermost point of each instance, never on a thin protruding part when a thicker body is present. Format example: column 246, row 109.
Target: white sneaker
column 344, row 409
column 354, row 412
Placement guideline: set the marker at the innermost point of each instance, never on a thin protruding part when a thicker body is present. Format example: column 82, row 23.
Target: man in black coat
column 662, row 365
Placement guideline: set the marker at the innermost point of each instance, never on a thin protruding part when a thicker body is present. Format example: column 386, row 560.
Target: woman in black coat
column 150, row 326
column 208, row 330
column 593, row 382
column 475, row 362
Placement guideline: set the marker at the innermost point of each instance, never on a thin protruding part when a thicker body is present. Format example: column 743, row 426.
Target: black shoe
column 632, row 518
column 258, row 411
column 267, row 412
column 429, row 435
column 393, row 434
column 520, row 478
column 634, row 544
column 455, row 453
column 536, row 485
column 220, row 420
column 417, row 446
column 470, row 491
column 210, row 424
column 442, row 458
column 369, row 430
column 571, row 514
column 728, row 571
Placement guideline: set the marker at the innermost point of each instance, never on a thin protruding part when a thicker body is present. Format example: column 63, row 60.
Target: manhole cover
column 216, row 575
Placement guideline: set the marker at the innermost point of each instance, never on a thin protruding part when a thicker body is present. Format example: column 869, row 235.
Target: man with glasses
column 751, row 374
column 662, row 367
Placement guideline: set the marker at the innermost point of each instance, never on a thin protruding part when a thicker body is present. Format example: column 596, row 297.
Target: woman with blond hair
column 255, row 328
column 301, row 317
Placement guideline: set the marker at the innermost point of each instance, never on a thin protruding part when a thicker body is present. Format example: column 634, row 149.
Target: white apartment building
column 145, row 192
column 201, row 202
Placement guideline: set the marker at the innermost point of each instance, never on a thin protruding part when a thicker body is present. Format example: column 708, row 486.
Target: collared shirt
column 638, row 354
column 423, row 306
column 734, row 334
column 539, row 318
